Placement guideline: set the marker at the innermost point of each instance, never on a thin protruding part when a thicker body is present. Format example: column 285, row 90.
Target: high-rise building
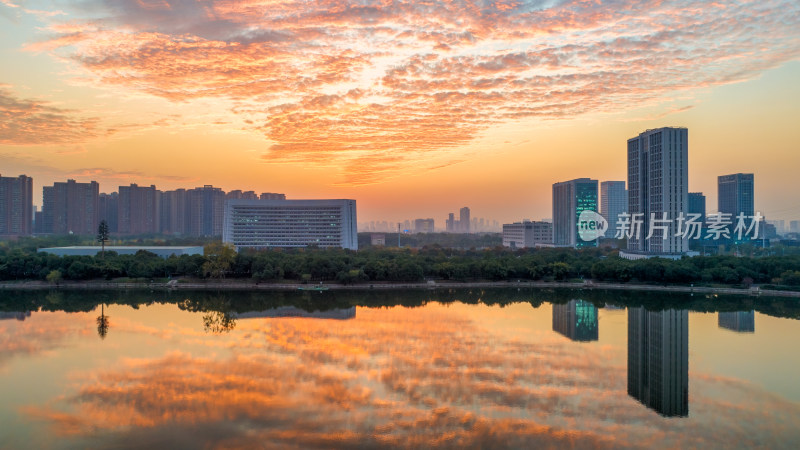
column 658, row 189
column 658, row 360
column 139, row 209
column 206, row 208
column 697, row 205
column 738, row 321
column 108, row 207
column 70, row 207
column 527, row 234
column 613, row 201
column 794, row 226
column 577, row 320
column 450, row 223
column 16, row 206
column 570, row 199
column 735, row 194
column 266, row 224
column 175, row 214
column 423, row 226
column 463, row 221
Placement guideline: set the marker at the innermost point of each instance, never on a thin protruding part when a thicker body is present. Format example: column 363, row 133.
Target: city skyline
column 437, row 107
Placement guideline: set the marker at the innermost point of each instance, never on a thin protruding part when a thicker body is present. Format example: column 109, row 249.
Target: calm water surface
column 489, row 369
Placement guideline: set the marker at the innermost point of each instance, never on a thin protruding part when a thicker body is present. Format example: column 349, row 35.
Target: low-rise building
column 527, row 234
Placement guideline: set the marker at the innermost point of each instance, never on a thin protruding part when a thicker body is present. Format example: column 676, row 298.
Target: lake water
column 501, row 368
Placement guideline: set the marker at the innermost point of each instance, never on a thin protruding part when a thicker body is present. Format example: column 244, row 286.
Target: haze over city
column 413, row 110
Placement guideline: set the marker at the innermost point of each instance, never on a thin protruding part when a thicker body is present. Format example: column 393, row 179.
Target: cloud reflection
column 414, row 378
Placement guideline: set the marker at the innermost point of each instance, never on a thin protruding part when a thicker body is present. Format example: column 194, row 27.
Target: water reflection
column 102, row 323
column 18, row 315
column 658, row 360
column 433, row 376
column 291, row 311
column 739, row 321
column 577, row 320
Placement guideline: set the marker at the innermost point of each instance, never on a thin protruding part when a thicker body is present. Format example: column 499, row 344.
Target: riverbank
column 214, row 285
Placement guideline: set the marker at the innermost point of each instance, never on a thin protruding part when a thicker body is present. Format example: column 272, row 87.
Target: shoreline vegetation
column 220, row 267
column 242, row 285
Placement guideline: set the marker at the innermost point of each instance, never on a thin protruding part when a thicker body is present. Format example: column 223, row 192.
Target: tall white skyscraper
column 658, row 188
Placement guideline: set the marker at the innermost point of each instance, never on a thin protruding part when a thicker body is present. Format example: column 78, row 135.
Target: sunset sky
column 414, row 109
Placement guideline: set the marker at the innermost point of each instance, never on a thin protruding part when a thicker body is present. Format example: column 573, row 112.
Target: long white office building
column 265, row 224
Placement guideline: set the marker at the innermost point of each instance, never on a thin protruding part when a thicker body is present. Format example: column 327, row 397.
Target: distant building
column 16, row 206
column 162, row 251
column 266, row 224
column 794, row 226
column 570, row 199
column 735, row 194
column 738, row 321
column 527, row 234
column 697, row 205
column 174, row 212
column 658, row 188
column 450, row 223
column 377, row 240
column 613, row 202
column 463, row 221
column 423, row 226
column 108, row 207
column 658, row 360
column 139, row 209
column 780, row 226
column 272, row 196
column 239, row 195
column 70, row 207
column 206, row 208
column 577, row 320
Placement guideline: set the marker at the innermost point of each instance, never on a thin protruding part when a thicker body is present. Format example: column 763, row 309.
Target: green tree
column 102, row 235
column 54, row 277
column 219, row 257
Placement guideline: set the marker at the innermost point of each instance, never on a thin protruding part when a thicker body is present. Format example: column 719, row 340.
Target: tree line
column 402, row 265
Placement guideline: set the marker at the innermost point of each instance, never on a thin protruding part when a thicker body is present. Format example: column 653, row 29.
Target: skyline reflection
column 738, row 321
column 577, row 320
column 658, row 360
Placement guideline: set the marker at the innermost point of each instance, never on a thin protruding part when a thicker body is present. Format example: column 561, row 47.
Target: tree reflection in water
column 102, row 323
column 218, row 322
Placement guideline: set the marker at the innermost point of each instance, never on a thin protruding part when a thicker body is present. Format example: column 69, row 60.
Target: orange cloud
column 34, row 122
column 379, row 86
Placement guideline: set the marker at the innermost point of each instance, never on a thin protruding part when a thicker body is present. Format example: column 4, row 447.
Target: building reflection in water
column 291, row 311
column 18, row 315
column 739, row 321
column 576, row 320
column 658, row 360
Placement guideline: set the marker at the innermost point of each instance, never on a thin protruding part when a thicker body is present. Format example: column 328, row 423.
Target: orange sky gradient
column 414, row 109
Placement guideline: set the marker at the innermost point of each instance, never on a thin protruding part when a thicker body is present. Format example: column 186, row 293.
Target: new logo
column 591, row 225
